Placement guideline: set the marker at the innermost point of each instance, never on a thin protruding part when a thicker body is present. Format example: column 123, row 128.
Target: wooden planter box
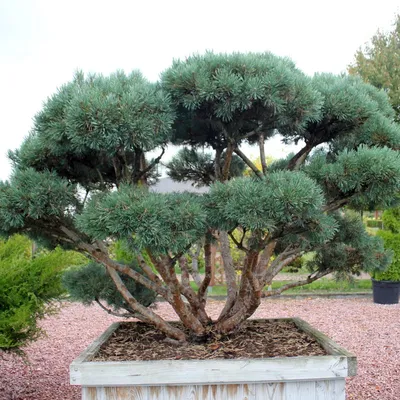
column 297, row 378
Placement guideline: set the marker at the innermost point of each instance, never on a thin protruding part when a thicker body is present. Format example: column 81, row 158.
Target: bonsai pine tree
column 80, row 179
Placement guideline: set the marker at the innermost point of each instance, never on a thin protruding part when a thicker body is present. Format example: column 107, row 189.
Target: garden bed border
column 338, row 364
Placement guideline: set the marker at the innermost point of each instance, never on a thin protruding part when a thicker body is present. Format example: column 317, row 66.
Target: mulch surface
column 256, row 339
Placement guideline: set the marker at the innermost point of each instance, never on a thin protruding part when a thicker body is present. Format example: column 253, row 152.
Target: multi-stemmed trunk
column 189, row 304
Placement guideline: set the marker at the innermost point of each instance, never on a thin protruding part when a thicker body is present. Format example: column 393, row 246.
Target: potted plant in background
column 386, row 284
column 81, row 180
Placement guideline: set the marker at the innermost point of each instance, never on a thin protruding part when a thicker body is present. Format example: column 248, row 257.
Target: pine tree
column 80, row 178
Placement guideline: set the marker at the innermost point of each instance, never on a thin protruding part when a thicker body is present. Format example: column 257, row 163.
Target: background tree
column 348, row 157
column 379, row 63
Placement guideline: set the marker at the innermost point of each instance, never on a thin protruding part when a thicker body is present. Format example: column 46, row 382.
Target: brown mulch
column 256, row 339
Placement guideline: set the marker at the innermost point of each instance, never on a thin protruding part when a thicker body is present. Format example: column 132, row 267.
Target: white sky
column 42, row 42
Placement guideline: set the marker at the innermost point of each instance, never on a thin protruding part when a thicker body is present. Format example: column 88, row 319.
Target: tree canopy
column 81, row 178
column 95, row 130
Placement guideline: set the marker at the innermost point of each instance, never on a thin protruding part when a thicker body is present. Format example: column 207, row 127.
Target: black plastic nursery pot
column 385, row 292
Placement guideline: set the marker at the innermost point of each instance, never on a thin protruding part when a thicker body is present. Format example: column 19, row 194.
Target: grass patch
column 329, row 285
column 323, row 285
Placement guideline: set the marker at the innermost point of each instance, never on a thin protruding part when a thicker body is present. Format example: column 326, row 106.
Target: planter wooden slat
column 180, row 372
column 318, row 390
column 297, row 378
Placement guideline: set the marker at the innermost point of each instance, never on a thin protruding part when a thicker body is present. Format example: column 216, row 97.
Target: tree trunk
column 217, row 164
column 202, row 292
column 248, row 298
column 197, row 307
column 148, row 315
column 227, row 162
column 166, row 269
column 195, row 264
column 261, row 145
column 299, row 158
column 230, row 273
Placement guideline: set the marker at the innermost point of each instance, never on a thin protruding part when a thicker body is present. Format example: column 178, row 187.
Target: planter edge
column 337, row 365
column 329, row 345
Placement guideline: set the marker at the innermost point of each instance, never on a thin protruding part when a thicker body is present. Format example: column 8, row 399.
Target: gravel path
column 369, row 330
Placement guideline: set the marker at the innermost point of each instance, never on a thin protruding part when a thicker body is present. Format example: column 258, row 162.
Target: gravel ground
column 369, row 330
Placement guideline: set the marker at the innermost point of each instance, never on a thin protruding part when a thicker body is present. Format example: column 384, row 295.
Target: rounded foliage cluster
column 284, row 200
column 368, row 177
column 239, row 92
column 160, row 222
column 94, row 122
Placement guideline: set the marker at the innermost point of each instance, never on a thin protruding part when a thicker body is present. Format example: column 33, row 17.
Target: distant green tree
column 28, row 284
column 379, row 64
column 95, row 132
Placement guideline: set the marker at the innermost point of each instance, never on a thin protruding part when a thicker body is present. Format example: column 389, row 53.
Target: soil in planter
column 256, row 339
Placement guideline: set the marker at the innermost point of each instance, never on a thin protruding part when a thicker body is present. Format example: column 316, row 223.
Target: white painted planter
column 294, row 378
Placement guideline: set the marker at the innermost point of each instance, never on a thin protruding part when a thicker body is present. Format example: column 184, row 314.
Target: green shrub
column 295, row 266
column 392, row 242
column 27, row 286
column 391, row 219
column 91, row 283
column 374, row 223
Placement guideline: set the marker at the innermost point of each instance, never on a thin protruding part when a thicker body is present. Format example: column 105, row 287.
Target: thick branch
column 117, row 170
column 230, row 273
column 150, row 166
column 201, row 293
column 238, row 244
column 165, row 266
column 148, row 271
column 284, row 259
column 291, row 285
column 335, row 205
column 108, row 311
column 126, row 270
column 217, row 164
column 261, row 144
column 298, row 159
column 148, row 315
column 195, row 264
column 185, row 288
column 227, row 162
column 264, row 259
column 249, row 134
column 248, row 298
column 248, row 162
column 185, row 277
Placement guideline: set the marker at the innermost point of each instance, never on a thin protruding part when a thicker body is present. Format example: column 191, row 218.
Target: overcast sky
column 42, row 42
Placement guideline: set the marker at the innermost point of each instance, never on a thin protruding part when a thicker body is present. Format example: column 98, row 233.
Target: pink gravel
column 369, row 330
